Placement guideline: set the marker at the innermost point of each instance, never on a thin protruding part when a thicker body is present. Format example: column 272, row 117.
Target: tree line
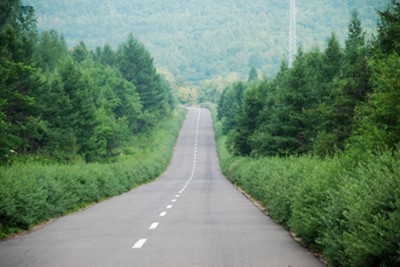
column 197, row 41
column 72, row 103
column 318, row 144
column 330, row 100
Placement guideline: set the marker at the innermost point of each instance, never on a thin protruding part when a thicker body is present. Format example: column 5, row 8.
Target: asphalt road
column 191, row 216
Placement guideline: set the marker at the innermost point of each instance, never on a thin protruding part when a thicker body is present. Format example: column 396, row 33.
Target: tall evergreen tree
column 324, row 119
column 288, row 125
column 230, row 105
column 107, row 55
column 353, row 84
column 50, row 50
column 136, row 65
column 249, row 135
column 80, row 52
column 355, row 61
column 253, row 75
column 82, row 112
column 21, row 127
column 378, row 123
column 388, row 40
column 332, row 59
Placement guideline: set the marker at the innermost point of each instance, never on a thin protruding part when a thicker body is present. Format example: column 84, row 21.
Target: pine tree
column 230, row 105
column 253, row 75
column 21, row 127
column 378, row 123
column 136, row 66
column 323, row 120
column 388, row 40
column 332, row 59
column 80, row 52
column 50, row 50
column 353, row 85
column 250, row 135
column 107, row 55
column 288, row 124
column 81, row 109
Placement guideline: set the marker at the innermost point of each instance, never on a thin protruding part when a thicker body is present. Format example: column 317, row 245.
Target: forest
column 318, row 144
column 76, row 125
column 79, row 102
column 194, row 41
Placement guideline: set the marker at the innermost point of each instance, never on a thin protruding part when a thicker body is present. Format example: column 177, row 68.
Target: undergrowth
column 33, row 192
column 347, row 207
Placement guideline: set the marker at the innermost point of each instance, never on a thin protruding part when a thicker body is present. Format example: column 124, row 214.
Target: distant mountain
column 198, row 39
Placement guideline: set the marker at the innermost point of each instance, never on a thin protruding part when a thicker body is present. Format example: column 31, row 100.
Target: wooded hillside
column 197, row 40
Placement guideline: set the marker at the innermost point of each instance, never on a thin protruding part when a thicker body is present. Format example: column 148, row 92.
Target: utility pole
column 292, row 33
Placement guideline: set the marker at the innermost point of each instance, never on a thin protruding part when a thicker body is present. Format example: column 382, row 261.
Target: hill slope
column 196, row 40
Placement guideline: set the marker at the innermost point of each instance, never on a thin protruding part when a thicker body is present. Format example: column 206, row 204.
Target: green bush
column 34, row 192
column 347, row 210
column 347, row 207
column 370, row 197
column 310, row 200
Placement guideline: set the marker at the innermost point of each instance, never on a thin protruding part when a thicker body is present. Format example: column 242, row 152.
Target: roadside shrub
column 310, row 200
column 372, row 236
column 33, row 192
column 347, row 207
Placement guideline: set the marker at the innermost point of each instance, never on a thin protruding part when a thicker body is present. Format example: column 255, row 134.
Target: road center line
column 139, row 243
column 162, row 214
column 169, row 207
column 154, row 226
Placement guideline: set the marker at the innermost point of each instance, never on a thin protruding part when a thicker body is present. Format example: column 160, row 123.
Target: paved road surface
column 191, row 216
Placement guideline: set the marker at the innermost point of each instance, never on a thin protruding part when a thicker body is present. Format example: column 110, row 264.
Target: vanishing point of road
column 190, row 216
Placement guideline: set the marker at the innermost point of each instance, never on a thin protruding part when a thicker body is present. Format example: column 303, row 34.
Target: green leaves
column 136, row 66
column 32, row 192
column 343, row 207
column 70, row 104
column 197, row 41
column 230, row 105
column 323, row 103
column 377, row 120
column 51, row 49
column 346, row 203
column 389, row 30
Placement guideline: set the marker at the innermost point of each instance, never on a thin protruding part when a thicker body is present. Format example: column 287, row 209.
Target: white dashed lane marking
column 153, row 226
column 140, row 243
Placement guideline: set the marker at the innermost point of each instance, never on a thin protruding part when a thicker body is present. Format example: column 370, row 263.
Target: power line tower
column 292, row 32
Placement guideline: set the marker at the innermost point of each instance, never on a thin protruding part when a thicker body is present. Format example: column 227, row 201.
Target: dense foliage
column 76, row 125
column 348, row 210
column 329, row 99
column 72, row 103
column 318, row 145
column 32, row 192
column 197, row 40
